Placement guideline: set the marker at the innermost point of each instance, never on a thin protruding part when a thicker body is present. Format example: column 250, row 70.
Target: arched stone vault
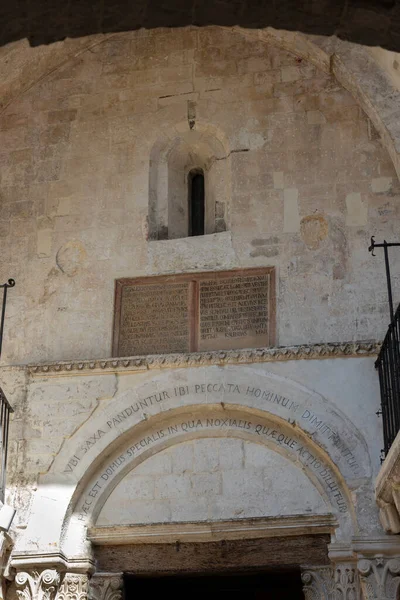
column 22, row 66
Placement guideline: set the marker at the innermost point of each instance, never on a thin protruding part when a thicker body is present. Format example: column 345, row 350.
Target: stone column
column 380, row 578
column 339, row 582
column 106, row 586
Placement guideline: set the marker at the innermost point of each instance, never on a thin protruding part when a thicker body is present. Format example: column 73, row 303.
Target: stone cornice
column 22, row 561
column 200, row 359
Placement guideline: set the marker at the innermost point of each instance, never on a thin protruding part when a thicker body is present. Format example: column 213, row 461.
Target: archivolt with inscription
column 180, row 425
column 274, row 394
column 231, row 401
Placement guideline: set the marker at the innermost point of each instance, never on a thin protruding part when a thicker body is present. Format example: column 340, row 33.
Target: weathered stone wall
column 312, row 186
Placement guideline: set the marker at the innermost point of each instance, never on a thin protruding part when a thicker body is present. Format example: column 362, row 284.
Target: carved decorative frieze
column 201, row 359
column 380, row 578
column 106, row 586
column 35, row 585
column 74, row 586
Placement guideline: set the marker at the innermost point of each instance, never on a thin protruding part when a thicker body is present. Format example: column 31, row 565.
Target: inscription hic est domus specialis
column 202, row 311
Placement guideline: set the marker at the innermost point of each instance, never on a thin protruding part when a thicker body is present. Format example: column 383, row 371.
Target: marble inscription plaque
column 234, row 312
column 154, row 319
column 194, row 312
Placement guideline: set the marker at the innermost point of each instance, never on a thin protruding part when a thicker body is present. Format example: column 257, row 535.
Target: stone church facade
column 220, row 454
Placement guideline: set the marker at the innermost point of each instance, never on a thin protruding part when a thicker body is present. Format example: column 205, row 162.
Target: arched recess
column 172, row 158
column 21, row 67
column 196, row 422
column 259, row 397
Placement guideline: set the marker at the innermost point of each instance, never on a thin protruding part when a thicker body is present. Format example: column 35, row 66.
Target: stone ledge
column 214, row 531
column 200, row 359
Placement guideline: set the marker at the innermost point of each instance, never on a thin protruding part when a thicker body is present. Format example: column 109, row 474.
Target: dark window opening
column 196, row 202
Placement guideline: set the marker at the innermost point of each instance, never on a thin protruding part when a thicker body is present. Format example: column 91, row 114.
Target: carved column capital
column 380, row 578
column 37, row 585
column 318, row 583
column 340, row 582
column 347, row 583
column 74, row 586
column 106, row 586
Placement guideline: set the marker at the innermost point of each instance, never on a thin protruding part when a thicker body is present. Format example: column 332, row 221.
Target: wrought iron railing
column 5, row 410
column 388, row 365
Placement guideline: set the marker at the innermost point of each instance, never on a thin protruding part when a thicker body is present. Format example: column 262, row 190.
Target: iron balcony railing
column 388, row 365
column 5, row 410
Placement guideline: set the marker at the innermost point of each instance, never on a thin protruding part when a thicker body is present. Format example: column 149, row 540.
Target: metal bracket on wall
column 385, row 245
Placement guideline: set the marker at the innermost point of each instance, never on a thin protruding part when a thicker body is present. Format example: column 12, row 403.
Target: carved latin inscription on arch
column 219, row 422
column 243, row 387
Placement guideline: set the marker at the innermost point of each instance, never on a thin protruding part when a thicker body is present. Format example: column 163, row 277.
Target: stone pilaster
column 380, row 578
column 37, row 585
column 106, row 586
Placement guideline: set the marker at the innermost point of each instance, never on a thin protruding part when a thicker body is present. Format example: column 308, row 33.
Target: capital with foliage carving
column 36, row 585
column 318, row 583
column 380, row 578
column 74, row 586
column 347, row 582
column 106, row 586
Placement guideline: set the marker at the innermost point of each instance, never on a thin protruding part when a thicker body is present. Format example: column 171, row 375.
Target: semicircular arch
column 196, row 422
column 268, row 398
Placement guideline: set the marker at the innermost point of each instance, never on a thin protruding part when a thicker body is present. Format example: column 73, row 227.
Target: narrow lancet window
column 196, row 202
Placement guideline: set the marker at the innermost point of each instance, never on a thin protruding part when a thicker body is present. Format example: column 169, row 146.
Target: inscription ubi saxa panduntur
column 234, row 312
column 154, row 319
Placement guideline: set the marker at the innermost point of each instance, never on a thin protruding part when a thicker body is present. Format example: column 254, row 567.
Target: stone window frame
column 171, row 161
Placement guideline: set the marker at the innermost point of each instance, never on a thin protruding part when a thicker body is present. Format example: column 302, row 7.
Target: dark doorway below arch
column 277, row 585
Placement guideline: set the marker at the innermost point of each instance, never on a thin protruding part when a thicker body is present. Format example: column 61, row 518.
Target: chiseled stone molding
column 200, row 359
column 213, row 530
column 106, row 586
column 380, row 578
column 37, row 585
